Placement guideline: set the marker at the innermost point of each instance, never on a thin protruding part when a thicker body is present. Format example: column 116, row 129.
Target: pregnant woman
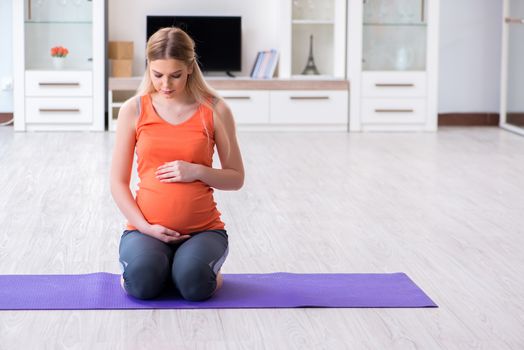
column 174, row 231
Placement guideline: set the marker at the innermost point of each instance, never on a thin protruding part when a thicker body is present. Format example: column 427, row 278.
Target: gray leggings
column 149, row 265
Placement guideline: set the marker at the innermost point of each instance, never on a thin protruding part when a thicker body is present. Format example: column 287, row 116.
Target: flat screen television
column 217, row 38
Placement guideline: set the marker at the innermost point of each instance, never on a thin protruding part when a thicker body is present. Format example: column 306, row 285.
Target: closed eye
column 174, row 74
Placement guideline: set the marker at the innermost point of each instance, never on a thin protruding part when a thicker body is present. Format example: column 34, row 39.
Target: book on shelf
column 270, row 72
column 257, row 60
column 265, row 64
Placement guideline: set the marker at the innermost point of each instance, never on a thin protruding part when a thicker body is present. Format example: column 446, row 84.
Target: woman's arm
column 231, row 176
column 122, row 165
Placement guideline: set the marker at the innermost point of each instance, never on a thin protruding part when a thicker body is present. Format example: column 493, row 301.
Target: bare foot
column 122, row 283
column 219, row 281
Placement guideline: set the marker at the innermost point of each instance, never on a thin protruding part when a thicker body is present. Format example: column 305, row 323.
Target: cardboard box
column 121, row 50
column 121, row 68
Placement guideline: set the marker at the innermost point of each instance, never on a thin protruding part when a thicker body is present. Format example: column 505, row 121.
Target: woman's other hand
column 164, row 234
column 178, row 171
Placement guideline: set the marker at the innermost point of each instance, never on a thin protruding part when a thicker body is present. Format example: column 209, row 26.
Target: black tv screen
column 217, row 39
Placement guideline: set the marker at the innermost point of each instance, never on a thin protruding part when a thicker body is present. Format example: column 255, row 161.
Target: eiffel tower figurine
column 311, row 68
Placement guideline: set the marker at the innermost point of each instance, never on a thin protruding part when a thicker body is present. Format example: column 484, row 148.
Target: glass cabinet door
column 514, row 23
column 313, row 23
column 394, row 35
column 58, row 23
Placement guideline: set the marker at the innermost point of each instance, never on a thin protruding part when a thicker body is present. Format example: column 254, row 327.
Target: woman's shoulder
column 130, row 110
column 221, row 107
column 133, row 105
column 223, row 116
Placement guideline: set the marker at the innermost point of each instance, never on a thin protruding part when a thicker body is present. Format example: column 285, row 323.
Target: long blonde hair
column 174, row 43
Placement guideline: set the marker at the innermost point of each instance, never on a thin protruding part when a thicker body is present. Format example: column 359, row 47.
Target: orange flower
column 59, row 51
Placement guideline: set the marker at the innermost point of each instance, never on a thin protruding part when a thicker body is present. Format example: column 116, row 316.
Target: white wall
column 470, row 45
column 6, row 61
column 127, row 22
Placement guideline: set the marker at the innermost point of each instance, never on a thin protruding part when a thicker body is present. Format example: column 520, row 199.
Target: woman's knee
column 145, row 276
column 194, row 279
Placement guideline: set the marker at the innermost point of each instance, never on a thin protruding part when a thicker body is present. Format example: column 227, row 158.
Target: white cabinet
column 291, row 110
column 248, row 107
column 323, row 21
column 65, row 96
column 393, row 99
column 392, row 64
column 287, row 109
column 54, row 98
column 266, row 105
column 298, row 107
column 59, row 110
column 116, row 99
column 393, row 84
column 61, row 83
column 380, row 111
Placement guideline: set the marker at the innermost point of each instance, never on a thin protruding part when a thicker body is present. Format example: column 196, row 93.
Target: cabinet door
column 313, row 38
column 47, row 83
column 66, row 24
column 393, row 110
column 394, row 35
column 62, row 110
column 393, row 84
column 248, row 107
column 308, row 107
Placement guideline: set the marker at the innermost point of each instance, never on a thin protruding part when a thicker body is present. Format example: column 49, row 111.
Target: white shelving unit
column 393, row 64
column 265, row 105
column 116, row 99
column 325, row 20
column 51, row 98
column 293, row 102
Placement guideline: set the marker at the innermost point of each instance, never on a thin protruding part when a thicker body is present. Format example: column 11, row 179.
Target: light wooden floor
column 446, row 208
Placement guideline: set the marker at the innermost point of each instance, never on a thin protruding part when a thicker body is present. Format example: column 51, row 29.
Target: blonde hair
column 174, row 43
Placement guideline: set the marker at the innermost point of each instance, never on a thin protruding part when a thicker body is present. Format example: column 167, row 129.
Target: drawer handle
column 394, row 110
column 394, row 85
column 237, row 97
column 59, row 110
column 309, row 97
column 514, row 20
column 58, row 84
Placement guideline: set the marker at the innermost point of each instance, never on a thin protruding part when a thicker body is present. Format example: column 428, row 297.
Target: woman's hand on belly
column 164, row 234
column 178, row 171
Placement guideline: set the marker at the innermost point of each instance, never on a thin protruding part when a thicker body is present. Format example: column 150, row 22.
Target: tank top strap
column 138, row 100
column 208, row 118
column 146, row 114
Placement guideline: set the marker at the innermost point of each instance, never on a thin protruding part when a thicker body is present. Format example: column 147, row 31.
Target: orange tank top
column 186, row 207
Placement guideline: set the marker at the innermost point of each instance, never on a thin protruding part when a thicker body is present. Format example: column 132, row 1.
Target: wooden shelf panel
column 132, row 83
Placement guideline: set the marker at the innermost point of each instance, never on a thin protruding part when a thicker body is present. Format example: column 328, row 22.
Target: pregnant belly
column 183, row 207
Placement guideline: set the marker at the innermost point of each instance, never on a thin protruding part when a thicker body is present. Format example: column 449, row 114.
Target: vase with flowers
column 58, row 54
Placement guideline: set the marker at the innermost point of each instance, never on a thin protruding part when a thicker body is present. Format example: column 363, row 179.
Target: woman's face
column 169, row 76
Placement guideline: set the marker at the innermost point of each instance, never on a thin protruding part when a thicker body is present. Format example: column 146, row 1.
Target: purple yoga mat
column 274, row 290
